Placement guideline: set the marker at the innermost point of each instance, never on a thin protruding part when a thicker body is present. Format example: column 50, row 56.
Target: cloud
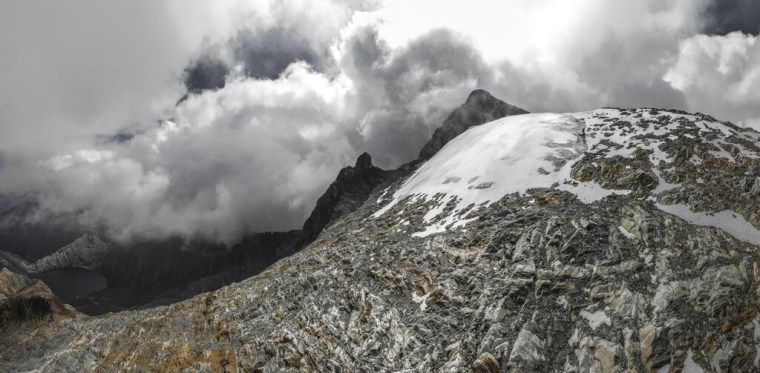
column 260, row 54
column 720, row 75
column 75, row 70
column 404, row 94
column 723, row 17
column 205, row 73
column 280, row 95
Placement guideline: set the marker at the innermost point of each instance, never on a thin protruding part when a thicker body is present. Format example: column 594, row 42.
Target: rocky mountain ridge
column 146, row 273
column 609, row 240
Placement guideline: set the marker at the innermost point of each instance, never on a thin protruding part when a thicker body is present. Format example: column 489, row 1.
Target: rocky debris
column 480, row 107
column 349, row 190
column 526, row 288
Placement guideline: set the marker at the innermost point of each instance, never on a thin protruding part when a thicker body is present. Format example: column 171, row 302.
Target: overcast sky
column 218, row 118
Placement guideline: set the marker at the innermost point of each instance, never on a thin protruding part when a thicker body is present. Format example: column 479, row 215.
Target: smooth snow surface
column 485, row 163
column 728, row 221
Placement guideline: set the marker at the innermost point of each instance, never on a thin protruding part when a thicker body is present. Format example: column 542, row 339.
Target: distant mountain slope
column 618, row 240
column 87, row 251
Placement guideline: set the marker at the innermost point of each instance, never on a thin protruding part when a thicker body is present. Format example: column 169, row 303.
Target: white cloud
column 720, row 75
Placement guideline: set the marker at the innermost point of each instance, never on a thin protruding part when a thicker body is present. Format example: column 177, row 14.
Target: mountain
column 609, row 240
column 480, row 107
column 86, row 251
column 146, row 273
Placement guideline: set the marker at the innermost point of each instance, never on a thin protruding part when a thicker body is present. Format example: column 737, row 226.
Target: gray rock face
column 349, row 190
column 480, row 107
column 540, row 281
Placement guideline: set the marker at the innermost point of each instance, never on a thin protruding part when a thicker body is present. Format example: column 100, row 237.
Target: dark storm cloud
column 266, row 54
column 262, row 54
column 205, row 73
column 726, row 16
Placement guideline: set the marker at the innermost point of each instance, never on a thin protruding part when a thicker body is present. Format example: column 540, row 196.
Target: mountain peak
column 349, row 191
column 480, row 95
column 364, row 162
column 480, row 107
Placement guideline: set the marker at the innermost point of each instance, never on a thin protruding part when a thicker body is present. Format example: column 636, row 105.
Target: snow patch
column 625, row 233
column 421, row 299
column 689, row 365
column 596, row 319
column 573, row 338
column 562, row 301
column 662, row 185
column 726, row 220
column 589, row 191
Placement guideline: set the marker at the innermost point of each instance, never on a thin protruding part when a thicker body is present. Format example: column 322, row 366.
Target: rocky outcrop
column 25, row 300
column 11, row 283
column 349, row 190
column 480, row 107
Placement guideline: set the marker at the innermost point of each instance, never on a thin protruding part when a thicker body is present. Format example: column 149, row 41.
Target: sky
column 218, row 119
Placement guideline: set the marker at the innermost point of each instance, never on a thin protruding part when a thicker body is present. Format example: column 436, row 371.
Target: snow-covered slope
column 591, row 154
column 485, row 163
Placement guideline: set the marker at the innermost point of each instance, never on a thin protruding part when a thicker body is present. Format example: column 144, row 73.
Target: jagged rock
column 349, row 190
column 480, row 107
column 527, row 352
